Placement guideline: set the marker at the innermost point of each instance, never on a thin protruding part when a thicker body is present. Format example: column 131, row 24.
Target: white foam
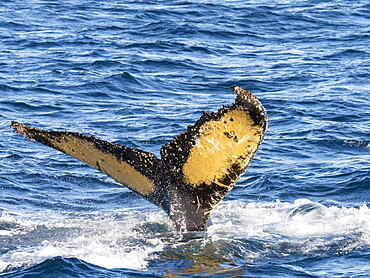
column 130, row 239
column 301, row 219
column 304, row 222
column 108, row 241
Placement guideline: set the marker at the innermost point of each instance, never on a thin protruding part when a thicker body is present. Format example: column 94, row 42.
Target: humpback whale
column 196, row 169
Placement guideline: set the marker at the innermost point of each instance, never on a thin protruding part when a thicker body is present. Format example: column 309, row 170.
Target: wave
column 302, row 219
column 240, row 232
column 109, row 241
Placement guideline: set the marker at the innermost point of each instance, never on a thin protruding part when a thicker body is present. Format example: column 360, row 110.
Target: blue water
column 138, row 73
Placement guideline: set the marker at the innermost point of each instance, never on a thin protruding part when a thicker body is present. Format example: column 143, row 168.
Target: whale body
column 196, row 169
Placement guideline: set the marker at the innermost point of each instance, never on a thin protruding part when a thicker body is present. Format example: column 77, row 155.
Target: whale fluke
column 196, row 170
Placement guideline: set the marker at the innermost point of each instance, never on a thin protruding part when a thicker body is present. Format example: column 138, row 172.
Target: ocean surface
column 138, row 73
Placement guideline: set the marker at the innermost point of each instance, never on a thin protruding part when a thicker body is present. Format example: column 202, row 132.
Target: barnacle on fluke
column 196, row 170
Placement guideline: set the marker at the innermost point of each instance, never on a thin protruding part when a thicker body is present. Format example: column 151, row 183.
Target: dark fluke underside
column 196, row 170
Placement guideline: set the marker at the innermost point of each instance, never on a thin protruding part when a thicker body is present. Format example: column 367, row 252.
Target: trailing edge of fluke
column 196, row 170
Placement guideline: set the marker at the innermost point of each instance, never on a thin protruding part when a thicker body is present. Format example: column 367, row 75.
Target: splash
column 303, row 227
column 241, row 232
column 122, row 240
column 301, row 219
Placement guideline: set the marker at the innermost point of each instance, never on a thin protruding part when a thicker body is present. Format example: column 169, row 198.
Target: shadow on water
column 199, row 257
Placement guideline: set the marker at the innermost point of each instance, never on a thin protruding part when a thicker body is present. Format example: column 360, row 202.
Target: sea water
column 137, row 73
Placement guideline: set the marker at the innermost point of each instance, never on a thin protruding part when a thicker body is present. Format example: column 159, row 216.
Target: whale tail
column 196, row 170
